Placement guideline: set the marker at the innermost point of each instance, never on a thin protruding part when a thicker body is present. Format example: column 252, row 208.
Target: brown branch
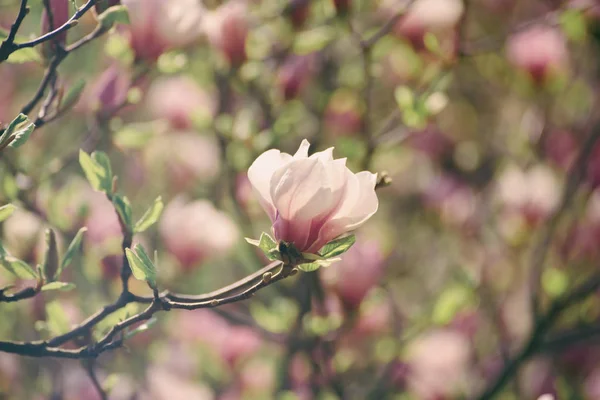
column 240, row 290
column 20, row 295
column 6, row 48
column 574, row 179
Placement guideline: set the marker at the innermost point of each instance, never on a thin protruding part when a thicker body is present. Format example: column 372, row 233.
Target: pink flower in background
column 294, row 75
column 343, row 115
column 439, row 365
column 360, row 270
column 312, row 200
column 109, row 92
column 60, row 15
column 561, row 148
column 534, row 193
column 227, row 29
column 231, row 343
column 180, row 100
column 166, row 385
column 539, row 50
column 195, row 231
column 436, row 16
column 185, row 157
column 160, row 25
column 102, row 221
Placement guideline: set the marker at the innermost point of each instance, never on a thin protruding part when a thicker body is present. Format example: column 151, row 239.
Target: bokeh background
column 475, row 113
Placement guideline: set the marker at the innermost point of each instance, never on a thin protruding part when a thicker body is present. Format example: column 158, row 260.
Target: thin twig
column 6, row 48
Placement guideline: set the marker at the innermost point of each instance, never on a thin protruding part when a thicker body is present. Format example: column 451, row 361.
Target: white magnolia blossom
column 312, row 200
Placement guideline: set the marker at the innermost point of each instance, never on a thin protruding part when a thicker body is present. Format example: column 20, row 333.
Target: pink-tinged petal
column 260, row 173
column 360, row 204
column 325, row 155
column 294, row 185
column 302, row 150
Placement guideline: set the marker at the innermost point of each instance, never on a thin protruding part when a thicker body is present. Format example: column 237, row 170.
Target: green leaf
column 452, row 300
column 134, row 136
column 142, row 328
column 107, row 177
column 309, row 267
column 71, row 250
column 337, row 246
column 28, row 54
column 58, row 321
column 150, row 216
column 17, row 132
column 573, row 24
column 97, row 170
column 313, row 40
column 432, row 43
column 555, row 281
column 123, row 207
column 113, row 15
column 73, row 95
column 62, row 286
column 142, row 268
column 50, row 267
column 268, row 245
column 18, row 268
column 405, row 97
column 6, row 211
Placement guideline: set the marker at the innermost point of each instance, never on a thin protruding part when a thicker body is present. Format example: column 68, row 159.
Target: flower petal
column 302, row 150
column 260, row 173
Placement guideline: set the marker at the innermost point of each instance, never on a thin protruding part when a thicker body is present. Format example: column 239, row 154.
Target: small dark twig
column 89, row 368
column 6, row 48
column 20, row 295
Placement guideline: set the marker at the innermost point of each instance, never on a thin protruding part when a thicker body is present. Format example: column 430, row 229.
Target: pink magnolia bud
column 60, row 15
column 194, row 232
column 539, row 50
column 361, row 268
column 180, row 101
column 227, row 29
column 158, row 25
column 439, row 365
column 294, row 75
column 111, row 266
column 109, row 93
column 312, row 200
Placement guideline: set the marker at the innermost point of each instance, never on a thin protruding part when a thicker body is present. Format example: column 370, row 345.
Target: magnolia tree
column 416, row 182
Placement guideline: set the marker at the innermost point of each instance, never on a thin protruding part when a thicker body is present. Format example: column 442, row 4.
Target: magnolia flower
column 312, row 200
column 180, row 100
column 227, row 28
column 60, row 15
column 195, row 231
column 159, row 25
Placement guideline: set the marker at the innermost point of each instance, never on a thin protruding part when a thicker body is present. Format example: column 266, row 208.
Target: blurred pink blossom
column 343, row 114
column 196, row 231
column 312, row 200
column 109, row 93
column 439, row 365
column 102, row 221
column 533, row 194
column 361, row 268
column 60, row 15
column 231, row 343
column 294, row 75
column 453, row 199
column 160, row 25
column 166, row 385
column 561, row 148
column 227, row 29
column 539, row 50
column 439, row 17
column 180, row 100
column 185, row 157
